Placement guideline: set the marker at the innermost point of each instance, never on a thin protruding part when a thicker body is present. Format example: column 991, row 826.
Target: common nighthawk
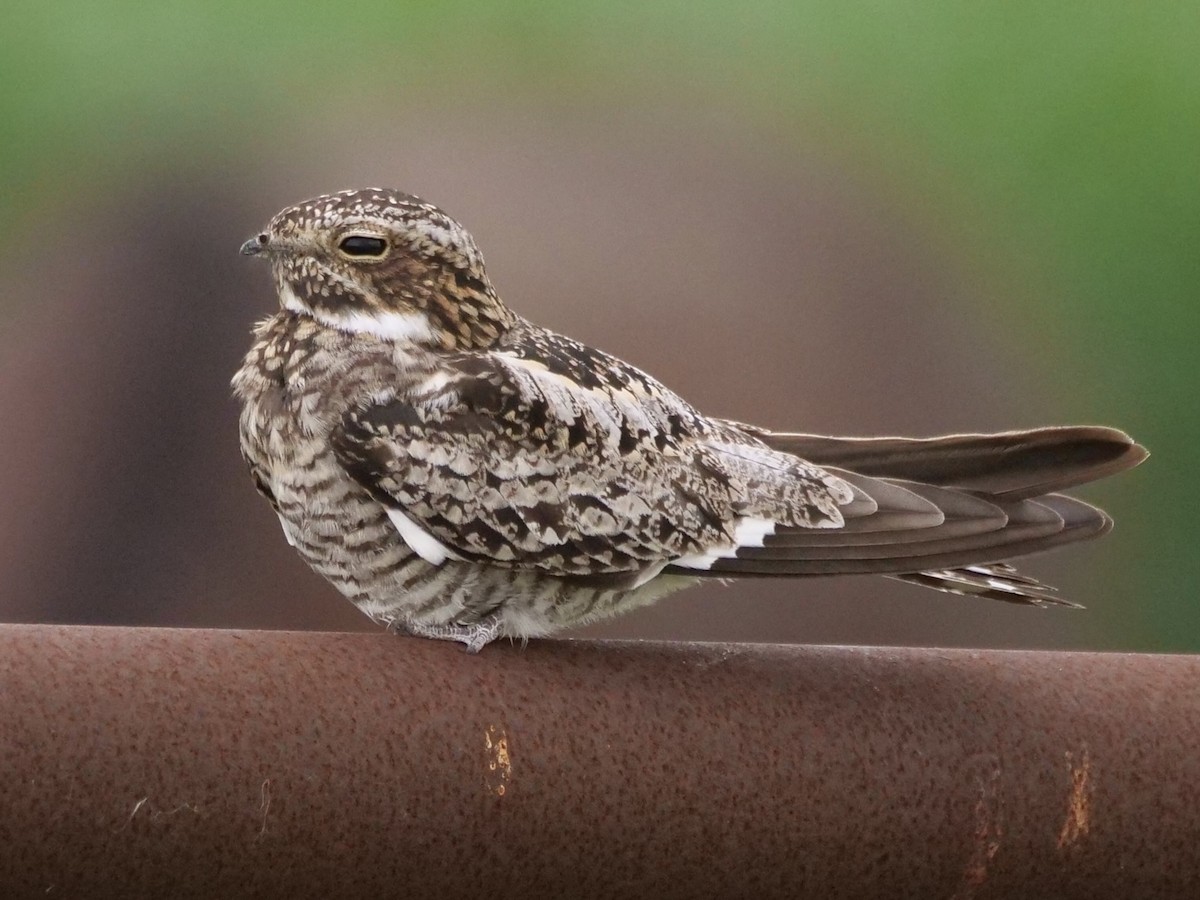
column 461, row 473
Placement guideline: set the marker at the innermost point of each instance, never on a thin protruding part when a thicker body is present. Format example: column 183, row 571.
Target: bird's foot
column 476, row 636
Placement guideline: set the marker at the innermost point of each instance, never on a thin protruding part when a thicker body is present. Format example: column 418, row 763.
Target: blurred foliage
column 1054, row 144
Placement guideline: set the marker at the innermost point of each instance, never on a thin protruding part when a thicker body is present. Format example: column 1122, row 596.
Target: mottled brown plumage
column 459, row 472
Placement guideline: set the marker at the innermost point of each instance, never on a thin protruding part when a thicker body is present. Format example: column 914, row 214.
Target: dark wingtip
column 1110, row 444
column 1080, row 454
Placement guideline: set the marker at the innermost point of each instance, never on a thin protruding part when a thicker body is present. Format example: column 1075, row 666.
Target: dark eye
column 362, row 245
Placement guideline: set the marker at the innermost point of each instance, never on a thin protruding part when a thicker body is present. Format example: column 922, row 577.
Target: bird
column 461, row 473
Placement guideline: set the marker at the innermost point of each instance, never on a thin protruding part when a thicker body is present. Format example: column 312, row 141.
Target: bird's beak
column 254, row 246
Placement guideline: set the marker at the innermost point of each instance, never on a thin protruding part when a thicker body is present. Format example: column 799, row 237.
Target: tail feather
column 998, row 581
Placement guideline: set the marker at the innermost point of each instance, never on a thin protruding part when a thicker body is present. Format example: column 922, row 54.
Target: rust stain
column 986, row 836
column 499, row 762
column 1079, row 803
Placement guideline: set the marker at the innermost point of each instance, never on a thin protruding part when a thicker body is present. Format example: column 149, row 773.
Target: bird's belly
column 333, row 523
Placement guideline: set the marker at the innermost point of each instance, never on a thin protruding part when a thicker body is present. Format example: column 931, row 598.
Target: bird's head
column 385, row 263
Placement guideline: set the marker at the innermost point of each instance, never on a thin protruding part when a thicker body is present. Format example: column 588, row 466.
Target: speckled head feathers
column 383, row 262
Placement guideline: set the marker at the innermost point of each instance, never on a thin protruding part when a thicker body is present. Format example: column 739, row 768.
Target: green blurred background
column 1006, row 195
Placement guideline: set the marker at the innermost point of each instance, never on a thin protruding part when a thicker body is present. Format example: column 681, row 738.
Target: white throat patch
column 403, row 328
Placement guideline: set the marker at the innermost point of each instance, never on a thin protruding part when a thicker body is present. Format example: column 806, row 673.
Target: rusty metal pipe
column 170, row 763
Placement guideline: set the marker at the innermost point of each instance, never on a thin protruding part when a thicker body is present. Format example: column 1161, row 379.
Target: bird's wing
column 574, row 466
column 1011, row 465
column 558, row 458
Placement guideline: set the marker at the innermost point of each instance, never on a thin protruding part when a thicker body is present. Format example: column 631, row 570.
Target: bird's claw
column 475, row 636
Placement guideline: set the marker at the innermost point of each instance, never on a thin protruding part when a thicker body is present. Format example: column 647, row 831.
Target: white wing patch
column 420, row 541
column 751, row 530
column 748, row 532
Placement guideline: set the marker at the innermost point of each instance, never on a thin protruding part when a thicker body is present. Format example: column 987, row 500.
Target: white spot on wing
column 700, row 560
column 749, row 531
column 422, row 543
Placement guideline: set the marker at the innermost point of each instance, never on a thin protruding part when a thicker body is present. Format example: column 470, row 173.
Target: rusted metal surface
column 164, row 763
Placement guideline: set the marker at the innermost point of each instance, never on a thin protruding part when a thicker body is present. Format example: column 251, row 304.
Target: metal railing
column 174, row 763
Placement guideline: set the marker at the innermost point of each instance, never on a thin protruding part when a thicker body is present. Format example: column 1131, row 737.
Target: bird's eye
column 363, row 245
